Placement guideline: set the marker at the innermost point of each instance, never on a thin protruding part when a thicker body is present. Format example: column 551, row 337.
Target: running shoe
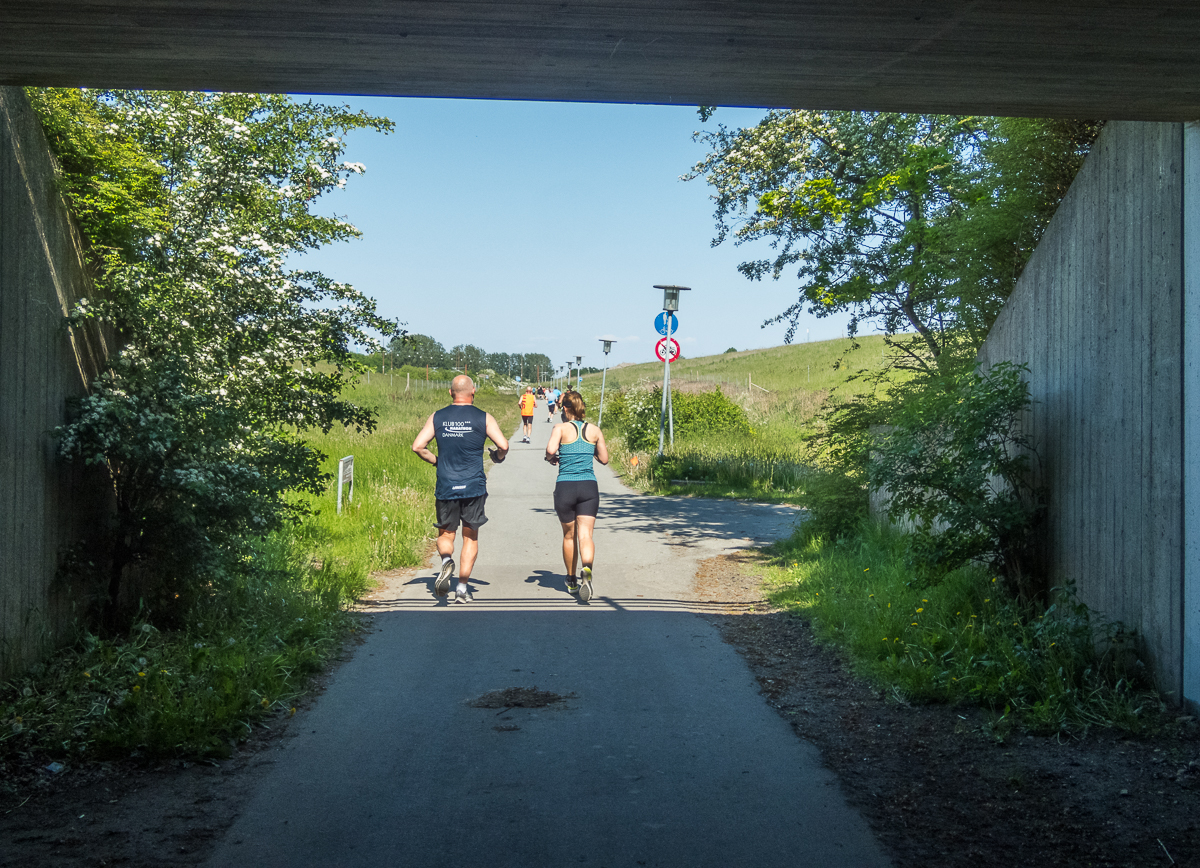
column 442, row 586
column 462, row 597
column 585, row 584
column 572, row 585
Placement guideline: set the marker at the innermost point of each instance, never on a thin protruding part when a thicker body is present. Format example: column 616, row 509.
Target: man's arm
column 495, row 435
column 424, row 438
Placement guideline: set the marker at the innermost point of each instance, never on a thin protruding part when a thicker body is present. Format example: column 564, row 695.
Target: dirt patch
column 940, row 788
column 519, row 697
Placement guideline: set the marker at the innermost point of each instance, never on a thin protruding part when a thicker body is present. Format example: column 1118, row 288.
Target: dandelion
column 987, row 599
column 87, row 675
column 136, row 688
column 867, row 570
column 914, row 624
column 924, row 601
column 921, row 609
column 870, row 596
column 266, row 702
column 141, row 675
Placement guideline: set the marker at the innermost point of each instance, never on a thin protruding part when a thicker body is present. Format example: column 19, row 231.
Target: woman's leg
column 584, row 525
column 569, row 551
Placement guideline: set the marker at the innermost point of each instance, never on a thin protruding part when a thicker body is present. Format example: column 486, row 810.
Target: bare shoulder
column 593, row 433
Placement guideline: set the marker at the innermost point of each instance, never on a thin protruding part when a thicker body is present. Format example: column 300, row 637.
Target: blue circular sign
column 660, row 323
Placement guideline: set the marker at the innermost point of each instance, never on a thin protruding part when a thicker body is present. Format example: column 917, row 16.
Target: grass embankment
column 768, row 463
column 247, row 649
column 959, row 639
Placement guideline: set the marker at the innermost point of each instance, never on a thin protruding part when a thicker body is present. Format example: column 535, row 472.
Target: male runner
column 527, row 404
column 551, row 401
column 461, row 430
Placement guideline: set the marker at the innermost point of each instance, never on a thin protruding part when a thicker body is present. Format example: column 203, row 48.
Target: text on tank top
column 461, row 431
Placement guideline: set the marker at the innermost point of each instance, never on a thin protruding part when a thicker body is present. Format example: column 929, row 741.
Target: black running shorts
column 528, row 420
column 466, row 510
column 578, row 497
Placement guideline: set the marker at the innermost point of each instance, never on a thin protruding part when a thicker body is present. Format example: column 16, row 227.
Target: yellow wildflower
column 921, row 609
column 141, row 675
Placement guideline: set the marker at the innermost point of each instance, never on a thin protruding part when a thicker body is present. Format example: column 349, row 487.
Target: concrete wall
column 1098, row 317
column 44, row 507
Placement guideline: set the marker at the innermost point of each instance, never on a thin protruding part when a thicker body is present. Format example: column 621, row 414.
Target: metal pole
column 603, row 380
column 662, row 416
column 670, row 397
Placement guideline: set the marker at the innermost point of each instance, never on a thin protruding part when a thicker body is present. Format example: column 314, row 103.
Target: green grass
column 245, row 654
column 770, row 464
column 252, row 642
column 959, row 640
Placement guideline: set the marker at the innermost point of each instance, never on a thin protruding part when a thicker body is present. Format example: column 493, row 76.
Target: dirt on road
column 935, row 783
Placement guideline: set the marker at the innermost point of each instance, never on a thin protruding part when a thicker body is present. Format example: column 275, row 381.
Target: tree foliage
column 194, row 205
column 915, row 223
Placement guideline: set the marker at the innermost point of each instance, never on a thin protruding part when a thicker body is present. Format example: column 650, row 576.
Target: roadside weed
column 961, row 639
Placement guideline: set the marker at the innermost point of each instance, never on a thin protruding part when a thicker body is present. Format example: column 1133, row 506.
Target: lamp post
column 604, row 378
column 667, row 415
column 578, row 372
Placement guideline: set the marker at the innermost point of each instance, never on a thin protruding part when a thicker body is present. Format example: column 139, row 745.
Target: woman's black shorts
column 577, row 497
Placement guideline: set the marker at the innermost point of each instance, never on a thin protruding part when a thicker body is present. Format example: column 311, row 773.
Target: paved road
column 664, row 753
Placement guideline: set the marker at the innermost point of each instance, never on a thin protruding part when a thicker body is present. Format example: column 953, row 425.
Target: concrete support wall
column 1098, row 317
column 43, row 505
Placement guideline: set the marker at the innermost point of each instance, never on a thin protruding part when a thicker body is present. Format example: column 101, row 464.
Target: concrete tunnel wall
column 1097, row 315
column 44, row 505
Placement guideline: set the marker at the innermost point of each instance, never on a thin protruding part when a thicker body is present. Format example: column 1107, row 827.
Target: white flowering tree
column 227, row 352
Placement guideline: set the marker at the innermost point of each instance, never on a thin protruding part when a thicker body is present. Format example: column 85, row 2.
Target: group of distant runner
column 461, row 431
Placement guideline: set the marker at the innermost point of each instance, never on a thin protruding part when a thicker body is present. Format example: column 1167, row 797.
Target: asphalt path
column 662, row 753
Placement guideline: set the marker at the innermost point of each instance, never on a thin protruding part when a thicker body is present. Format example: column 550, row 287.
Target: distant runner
column 551, row 402
column 528, row 404
column 461, row 430
column 573, row 446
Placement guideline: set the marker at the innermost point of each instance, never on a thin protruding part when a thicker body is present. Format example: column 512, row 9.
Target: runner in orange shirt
column 528, row 404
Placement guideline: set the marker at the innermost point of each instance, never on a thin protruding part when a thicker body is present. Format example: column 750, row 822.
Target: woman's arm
column 552, row 444
column 601, row 447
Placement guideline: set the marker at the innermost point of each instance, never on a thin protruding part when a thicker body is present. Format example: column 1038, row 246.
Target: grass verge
column 960, row 640
column 252, row 642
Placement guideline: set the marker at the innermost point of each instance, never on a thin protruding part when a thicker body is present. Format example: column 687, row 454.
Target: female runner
column 573, row 446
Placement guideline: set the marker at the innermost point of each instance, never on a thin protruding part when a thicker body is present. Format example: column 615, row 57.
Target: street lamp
column 604, row 378
column 667, row 416
column 578, row 372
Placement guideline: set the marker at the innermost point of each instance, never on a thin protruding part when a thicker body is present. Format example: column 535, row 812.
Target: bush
column 636, row 413
column 958, row 467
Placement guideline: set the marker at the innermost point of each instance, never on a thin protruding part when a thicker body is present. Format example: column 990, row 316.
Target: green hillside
column 795, row 367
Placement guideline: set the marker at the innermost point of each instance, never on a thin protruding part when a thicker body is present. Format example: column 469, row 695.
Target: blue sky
column 542, row 227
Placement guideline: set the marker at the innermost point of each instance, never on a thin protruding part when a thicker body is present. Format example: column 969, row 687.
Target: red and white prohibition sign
column 660, row 350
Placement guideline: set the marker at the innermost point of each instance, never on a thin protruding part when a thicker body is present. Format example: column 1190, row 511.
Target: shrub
column 958, row 467
column 636, row 413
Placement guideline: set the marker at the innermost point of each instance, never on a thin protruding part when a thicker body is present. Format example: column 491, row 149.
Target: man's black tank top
column 461, row 431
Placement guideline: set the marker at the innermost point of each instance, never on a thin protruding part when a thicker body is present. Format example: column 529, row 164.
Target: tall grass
column 250, row 643
column 959, row 640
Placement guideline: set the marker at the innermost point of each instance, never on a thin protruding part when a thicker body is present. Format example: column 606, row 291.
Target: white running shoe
column 462, row 597
column 585, row 584
column 441, row 587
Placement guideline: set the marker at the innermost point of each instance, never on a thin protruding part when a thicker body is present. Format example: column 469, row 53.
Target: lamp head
column 671, row 296
column 607, row 346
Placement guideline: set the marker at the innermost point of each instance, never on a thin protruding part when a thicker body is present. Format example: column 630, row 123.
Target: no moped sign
column 667, row 353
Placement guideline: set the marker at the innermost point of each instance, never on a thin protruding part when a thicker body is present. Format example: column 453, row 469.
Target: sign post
column 669, row 323
column 345, row 475
column 604, row 377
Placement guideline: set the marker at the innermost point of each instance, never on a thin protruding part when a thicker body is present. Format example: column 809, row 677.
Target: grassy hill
column 780, row 388
column 795, row 367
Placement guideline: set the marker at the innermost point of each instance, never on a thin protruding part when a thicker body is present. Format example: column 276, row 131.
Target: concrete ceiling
column 1134, row 59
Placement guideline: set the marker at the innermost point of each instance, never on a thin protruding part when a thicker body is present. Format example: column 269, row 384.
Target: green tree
column 226, row 352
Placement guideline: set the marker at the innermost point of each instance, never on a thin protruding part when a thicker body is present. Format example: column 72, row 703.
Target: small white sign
column 345, row 476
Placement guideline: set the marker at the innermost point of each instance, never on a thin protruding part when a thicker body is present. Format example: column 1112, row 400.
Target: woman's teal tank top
column 575, row 458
